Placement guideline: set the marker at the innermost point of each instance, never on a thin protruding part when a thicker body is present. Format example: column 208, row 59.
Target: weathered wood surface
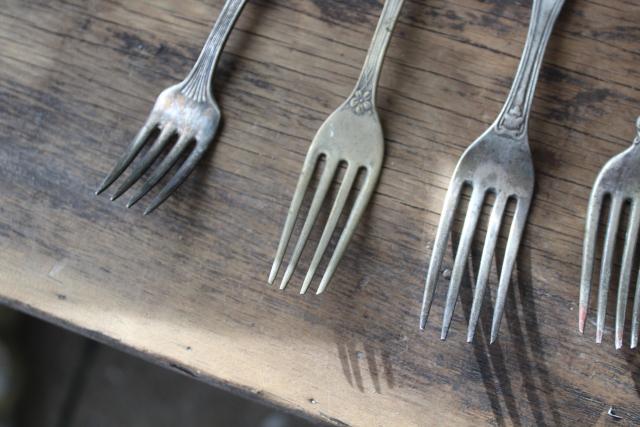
column 186, row 285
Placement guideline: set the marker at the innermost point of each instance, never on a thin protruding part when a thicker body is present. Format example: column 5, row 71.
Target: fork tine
column 588, row 254
column 462, row 256
column 147, row 160
column 163, row 168
column 318, row 198
column 334, row 216
column 511, row 252
column 128, row 156
column 352, row 222
column 183, row 172
column 625, row 272
column 485, row 262
column 635, row 319
column 442, row 236
column 607, row 260
column 303, row 182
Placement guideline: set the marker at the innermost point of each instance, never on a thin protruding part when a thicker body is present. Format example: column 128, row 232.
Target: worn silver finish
column 619, row 180
column 352, row 135
column 186, row 113
column 498, row 162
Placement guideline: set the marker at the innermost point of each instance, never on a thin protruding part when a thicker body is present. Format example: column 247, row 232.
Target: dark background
column 52, row 377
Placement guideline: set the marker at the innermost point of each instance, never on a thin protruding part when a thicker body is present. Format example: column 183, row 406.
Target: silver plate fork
column 618, row 180
column 498, row 162
column 352, row 135
column 187, row 111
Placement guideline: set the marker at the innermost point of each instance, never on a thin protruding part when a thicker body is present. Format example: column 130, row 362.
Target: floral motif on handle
column 361, row 102
column 513, row 121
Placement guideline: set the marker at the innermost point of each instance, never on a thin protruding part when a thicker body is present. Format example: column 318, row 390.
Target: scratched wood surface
column 186, row 286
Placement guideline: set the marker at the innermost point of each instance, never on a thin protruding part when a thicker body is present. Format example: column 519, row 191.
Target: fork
column 186, row 111
column 352, row 135
column 618, row 180
column 498, row 162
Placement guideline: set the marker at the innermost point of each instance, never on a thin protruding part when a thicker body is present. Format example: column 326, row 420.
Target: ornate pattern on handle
column 361, row 102
column 198, row 83
column 363, row 97
column 513, row 119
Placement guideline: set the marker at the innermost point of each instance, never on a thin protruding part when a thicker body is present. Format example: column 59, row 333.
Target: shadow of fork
column 526, row 346
column 490, row 358
column 633, row 360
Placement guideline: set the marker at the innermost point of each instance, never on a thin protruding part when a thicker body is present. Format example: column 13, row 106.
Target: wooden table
column 186, row 286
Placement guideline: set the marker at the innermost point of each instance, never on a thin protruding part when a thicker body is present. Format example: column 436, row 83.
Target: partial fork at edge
column 619, row 180
column 351, row 135
column 186, row 111
column 498, row 162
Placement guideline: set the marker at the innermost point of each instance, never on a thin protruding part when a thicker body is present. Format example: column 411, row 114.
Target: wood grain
column 186, row 286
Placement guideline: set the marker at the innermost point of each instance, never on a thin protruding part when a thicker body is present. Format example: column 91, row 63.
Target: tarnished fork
column 352, row 135
column 187, row 111
column 618, row 180
column 498, row 162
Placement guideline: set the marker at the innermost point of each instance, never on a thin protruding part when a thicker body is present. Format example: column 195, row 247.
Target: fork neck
column 514, row 118
column 197, row 85
column 363, row 97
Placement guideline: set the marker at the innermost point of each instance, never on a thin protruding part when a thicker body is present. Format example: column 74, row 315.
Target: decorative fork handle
column 514, row 117
column 197, row 85
column 363, row 96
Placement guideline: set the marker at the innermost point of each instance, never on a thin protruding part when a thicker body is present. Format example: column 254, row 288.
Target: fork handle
column 365, row 90
column 514, row 118
column 197, row 85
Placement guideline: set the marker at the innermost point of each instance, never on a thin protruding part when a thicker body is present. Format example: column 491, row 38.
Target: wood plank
column 186, row 285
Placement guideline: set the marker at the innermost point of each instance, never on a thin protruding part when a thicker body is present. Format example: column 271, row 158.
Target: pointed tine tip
column 273, row 273
column 136, row 198
column 305, row 285
column 287, row 277
column 139, row 195
column 443, row 334
column 494, row 336
column 599, row 334
column 103, row 186
column 321, row 288
column 115, row 196
column 582, row 317
column 495, row 331
column 152, row 207
column 155, row 203
column 323, row 284
column 471, row 332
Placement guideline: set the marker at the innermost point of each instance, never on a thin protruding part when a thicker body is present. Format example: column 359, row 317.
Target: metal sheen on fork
column 498, row 162
column 187, row 111
column 619, row 180
column 353, row 135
